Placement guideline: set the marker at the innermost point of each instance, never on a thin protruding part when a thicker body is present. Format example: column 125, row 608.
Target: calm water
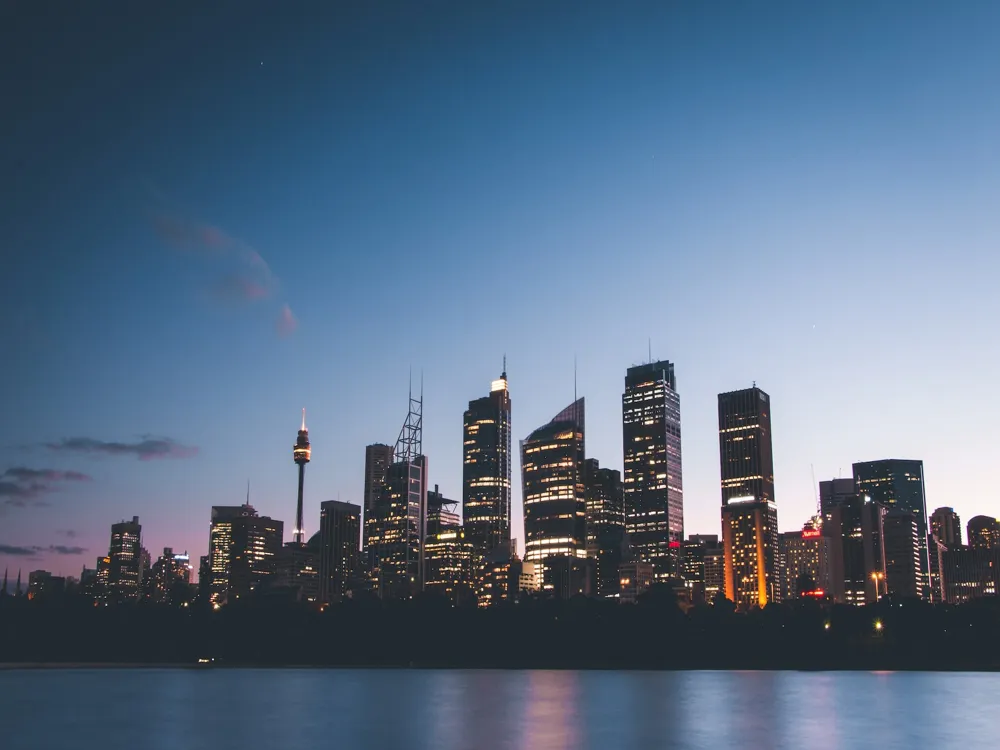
column 284, row 709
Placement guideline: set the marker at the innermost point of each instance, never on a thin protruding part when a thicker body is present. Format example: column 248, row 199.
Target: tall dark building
column 947, row 527
column 854, row 525
column 398, row 520
column 970, row 573
column 301, row 454
column 552, row 480
column 125, row 569
column 651, row 442
column 902, row 553
column 486, row 469
column 749, row 515
column 339, row 527
column 605, row 524
column 898, row 484
column 983, row 532
column 378, row 456
column 243, row 550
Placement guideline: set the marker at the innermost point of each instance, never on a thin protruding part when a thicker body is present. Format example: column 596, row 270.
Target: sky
column 214, row 217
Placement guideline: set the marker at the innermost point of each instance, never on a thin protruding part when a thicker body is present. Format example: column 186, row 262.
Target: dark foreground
column 584, row 634
column 275, row 709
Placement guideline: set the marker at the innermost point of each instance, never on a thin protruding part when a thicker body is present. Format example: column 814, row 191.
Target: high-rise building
column 552, row 480
column 651, row 442
column 898, row 484
column 125, row 570
column 448, row 560
column 605, row 524
column 636, row 578
column 243, row 551
column 983, row 532
column 378, row 456
column 902, row 553
column 169, row 578
column 947, row 527
column 339, row 526
column 42, row 585
column 749, row 515
column 701, row 566
column 806, row 556
column 854, row 525
column 486, row 472
column 970, row 573
column 301, row 454
column 441, row 513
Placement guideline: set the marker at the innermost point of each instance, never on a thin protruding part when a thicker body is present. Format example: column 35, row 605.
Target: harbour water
column 191, row 709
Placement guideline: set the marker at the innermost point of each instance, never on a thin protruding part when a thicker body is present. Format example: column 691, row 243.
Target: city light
column 878, row 625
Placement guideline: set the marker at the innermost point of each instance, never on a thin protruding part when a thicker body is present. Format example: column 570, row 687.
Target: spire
column 303, row 428
column 18, row 591
column 248, row 492
column 3, row 591
column 504, row 373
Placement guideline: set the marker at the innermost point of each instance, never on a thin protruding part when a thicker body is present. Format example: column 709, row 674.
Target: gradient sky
column 214, row 217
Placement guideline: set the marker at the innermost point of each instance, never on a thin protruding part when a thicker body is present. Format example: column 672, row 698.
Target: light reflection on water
column 493, row 710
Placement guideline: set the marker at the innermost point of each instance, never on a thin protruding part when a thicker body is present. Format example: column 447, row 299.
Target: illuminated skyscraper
column 947, row 527
column 854, row 526
column 552, row 479
column 749, row 515
column 339, row 527
column 125, row 569
column 902, row 553
column 898, row 484
column 301, row 454
column 243, row 549
column 377, row 459
column 398, row 520
column 651, row 441
column 605, row 524
column 220, row 542
column 805, row 553
column 486, row 469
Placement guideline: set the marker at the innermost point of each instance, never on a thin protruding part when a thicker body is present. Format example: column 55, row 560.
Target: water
column 185, row 709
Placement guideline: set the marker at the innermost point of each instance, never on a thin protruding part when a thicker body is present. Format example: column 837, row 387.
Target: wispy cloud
column 21, row 486
column 148, row 448
column 36, row 551
column 248, row 278
column 287, row 322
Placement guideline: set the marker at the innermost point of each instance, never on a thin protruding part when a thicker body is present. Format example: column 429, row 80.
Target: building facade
column 854, row 525
column 378, row 457
column 805, row 556
column 605, row 525
column 984, row 532
column 898, row 484
column 902, row 554
column 339, row 530
column 125, row 569
column 947, row 527
column 653, row 483
column 749, row 514
column 397, row 531
column 486, row 469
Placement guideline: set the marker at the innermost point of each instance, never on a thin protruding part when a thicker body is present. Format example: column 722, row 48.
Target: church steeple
column 17, row 591
column 3, row 591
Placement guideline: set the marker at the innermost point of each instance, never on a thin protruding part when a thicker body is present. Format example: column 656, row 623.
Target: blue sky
column 799, row 195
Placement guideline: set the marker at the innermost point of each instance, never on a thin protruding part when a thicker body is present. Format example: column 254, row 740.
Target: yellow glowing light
column 878, row 625
column 826, row 626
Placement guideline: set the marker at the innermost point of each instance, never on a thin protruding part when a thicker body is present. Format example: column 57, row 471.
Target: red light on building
column 675, row 545
column 818, row 593
column 810, row 533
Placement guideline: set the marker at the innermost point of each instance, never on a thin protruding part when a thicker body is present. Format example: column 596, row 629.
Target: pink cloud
column 286, row 322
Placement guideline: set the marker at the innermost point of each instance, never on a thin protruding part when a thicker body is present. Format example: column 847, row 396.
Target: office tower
column 43, row 586
column 204, row 580
column 125, row 569
column 486, row 469
column 970, row 573
column 694, row 552
column 947, row 527
column 398, row 519
column 169, row 578
column 243, row 551
column 103, row 576
column 806, row 555
column 441, row 513
column 301, row 454
column 635, row 579
column 854, row 525
column 448, row 560
column 902, row 553
column 552, row 481
column 935, row 551
column 651, row 442
column 297, row 571
column 605, row 524
column 339, row 527
column 983, row 532
column 749, row 515
column 897, row 484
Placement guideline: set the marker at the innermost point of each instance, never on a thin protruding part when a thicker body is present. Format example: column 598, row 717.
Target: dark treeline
column 584, row 634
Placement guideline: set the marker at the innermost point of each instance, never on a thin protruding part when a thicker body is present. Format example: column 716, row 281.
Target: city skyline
column 191, row 263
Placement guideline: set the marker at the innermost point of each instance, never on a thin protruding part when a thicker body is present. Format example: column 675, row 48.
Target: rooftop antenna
column 504, row 373
column 248, row 492
column 574, row 378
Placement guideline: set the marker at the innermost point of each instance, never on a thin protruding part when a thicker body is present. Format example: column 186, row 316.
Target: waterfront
column 492, row 710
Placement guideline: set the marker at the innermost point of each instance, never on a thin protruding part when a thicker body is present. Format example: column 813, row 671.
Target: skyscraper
column 398, row 519
column 605, row 524
column 220, row 542
column 552, row 480
column 749, row 515
column 854, row 525
column 983, row 532
column 125, row 569
column 486, row 469
column 898, row 484
column 651, row 442
column 902, row 553
column 301, row 454
column 339, row 526
column 243, row 550
column 805, row 553
column 378, row 456
column 947, row 527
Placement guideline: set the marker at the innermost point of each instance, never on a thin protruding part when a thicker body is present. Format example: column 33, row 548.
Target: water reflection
column 500, row 710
